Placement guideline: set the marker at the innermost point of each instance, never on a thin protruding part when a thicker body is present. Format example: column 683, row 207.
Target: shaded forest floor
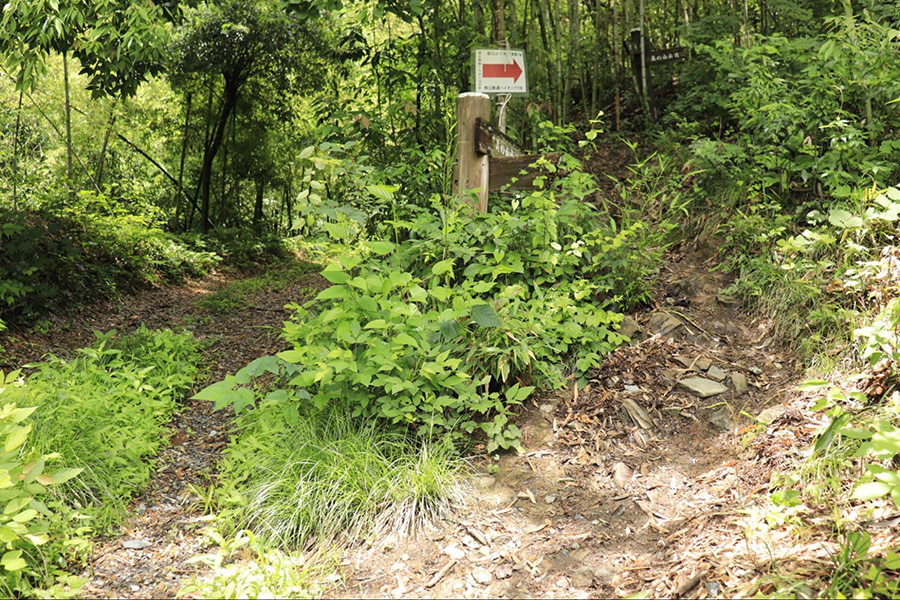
column 634, row 484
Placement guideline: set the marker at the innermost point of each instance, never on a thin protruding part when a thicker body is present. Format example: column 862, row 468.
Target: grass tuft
column 298, row 480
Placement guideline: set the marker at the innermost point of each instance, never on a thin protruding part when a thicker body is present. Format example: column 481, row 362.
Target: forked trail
column 632, row 484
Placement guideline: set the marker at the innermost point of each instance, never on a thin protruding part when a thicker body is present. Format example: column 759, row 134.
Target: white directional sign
column 499, row 71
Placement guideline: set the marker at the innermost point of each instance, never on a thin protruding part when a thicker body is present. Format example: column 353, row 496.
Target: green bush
column 50, row 260
column 31, row 563
column 456, row 321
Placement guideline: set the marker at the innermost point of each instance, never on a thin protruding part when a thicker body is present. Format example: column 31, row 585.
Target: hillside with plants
column 259, row 338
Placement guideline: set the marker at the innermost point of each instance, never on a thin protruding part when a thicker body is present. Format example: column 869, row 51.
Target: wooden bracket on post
column 472, row 166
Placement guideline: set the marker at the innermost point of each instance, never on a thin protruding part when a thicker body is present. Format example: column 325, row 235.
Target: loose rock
column 721, row 419
column 662, row 323
column 482, row 575
column 621, row 474
column 454, row 552
column 770, row 414
column 630, row 328
column 703, row 363
column 136, row 544
column 702, row 387
column 739, row 381
column 583, row 577
column 716, row 373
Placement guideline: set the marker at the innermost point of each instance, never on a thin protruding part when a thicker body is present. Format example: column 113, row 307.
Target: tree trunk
column 70, row 174
column 258, row 205
column 102, row 160
column 179, row 190
column 617, row 53
column 15, row 158
column 231, row 93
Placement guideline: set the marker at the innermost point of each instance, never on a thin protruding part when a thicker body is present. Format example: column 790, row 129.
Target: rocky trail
column 633, row 484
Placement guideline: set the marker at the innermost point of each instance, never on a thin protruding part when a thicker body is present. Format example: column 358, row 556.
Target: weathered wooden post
column 473, row 172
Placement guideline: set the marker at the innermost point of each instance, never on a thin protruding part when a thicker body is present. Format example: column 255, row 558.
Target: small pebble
column 579, row 517
column 550, row 499
column 482, row 575
column 404, row 557
column 135, row 588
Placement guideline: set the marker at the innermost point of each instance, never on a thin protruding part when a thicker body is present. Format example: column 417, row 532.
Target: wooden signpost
column 488, row 160
column 642, row 57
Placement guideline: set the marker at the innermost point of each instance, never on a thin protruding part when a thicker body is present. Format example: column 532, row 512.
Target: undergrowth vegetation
column 99, row 420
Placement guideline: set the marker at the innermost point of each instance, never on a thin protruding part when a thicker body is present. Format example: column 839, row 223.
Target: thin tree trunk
column 230, row 93
column 258, row 204
column 15, row 159
column 102, row 160
column 70, row 173
column 595, row 79
column 617, row 52
column 179, row 190
column 557, row 42
column 571, row 57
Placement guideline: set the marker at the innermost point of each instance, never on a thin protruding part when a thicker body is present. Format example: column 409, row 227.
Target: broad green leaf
column 13, row 561
column 812, row 385
column 872, row 490
column 381, row 248
column 335, row 273
column 16, row 437
column 64, row 475
column 334, row 292
column 484, row 315
column 442, row 267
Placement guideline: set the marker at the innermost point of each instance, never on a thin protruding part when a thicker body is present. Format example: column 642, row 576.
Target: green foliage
column 267, row 573
column 52, row 261
column 118, row 43
column 106, row 413
column 27, row 566
column 295, row 475
column 447, row 330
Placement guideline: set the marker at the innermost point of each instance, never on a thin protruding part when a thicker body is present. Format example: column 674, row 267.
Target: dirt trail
column 148, row 559
column 631, row 485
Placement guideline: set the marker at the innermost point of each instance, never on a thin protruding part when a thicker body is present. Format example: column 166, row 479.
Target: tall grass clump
column 106, row 412
column 297, row 478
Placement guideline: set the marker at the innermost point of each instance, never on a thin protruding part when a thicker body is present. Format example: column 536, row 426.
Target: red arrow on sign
column 501, row 71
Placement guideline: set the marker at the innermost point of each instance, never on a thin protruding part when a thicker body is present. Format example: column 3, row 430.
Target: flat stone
column 136, row 544
column 550, row 499
column 632, row 388
column 716, row 373
column 629, row 327
column 702, row 387
column 485, row 482
column 482, row 575
column 703, row 363
column 621, row 474
column 583, row 577
column 686, row 362
column 770, row 414
column 662, row 323
column 721, row 419
column 739, row 382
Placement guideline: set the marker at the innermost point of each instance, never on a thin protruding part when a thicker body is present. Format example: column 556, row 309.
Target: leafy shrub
column 49, row 261
column 239, row 247
column 447, row 330
column 266, row 573
column 30, row 564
